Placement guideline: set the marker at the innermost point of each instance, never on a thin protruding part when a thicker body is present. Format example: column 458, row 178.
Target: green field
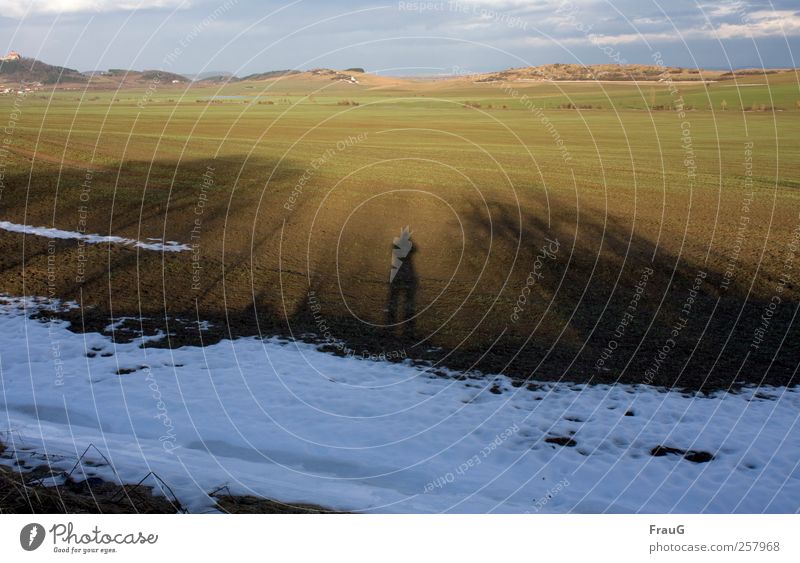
column 311, row 179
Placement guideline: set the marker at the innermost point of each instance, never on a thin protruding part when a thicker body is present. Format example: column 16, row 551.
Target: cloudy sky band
column 686, row 32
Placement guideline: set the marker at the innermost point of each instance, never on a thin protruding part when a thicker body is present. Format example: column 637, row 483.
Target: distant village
column 22, row 88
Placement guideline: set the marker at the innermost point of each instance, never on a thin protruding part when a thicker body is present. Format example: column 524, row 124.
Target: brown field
column 708, row 202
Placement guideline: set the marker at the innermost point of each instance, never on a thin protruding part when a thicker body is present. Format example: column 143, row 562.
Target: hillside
column 26, row 70
column 121, row 77
column 267, row 75
column 32, row 71
column 615, row 72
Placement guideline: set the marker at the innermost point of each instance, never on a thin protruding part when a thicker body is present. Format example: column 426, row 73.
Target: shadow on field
column 401, row 304
column 584, row 300
column 538, row 293
column 616, row 308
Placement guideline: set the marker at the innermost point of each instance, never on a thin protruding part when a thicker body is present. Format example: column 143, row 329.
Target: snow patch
column 283, row 420
column 49, row 232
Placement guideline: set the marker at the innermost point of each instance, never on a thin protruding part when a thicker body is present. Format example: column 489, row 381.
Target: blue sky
column 245, row 36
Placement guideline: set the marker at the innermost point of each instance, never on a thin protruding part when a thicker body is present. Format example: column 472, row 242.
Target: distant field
column 300, row 184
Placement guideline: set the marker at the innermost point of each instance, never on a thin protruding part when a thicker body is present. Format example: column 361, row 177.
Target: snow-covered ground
column 286, row 421
column 53, row 233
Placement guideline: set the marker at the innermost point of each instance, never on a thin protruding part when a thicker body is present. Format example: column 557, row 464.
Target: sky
column 400, row 38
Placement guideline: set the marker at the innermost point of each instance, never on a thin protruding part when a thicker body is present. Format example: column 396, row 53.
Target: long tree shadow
column 502, row 307
column 614, row 307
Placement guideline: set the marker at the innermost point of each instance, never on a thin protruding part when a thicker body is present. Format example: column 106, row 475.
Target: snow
column 283, row 420
column 49, row 232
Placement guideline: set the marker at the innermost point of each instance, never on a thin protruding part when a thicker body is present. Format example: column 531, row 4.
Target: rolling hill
column 26, row 70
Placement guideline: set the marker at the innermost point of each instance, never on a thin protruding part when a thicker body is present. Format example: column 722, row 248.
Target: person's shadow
column 402, row 301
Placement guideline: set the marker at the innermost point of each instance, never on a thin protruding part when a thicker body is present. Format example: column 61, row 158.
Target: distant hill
column 213, row 75
column 217, row 79
column 270, row 74
column 142, row 76
column 754, row 72
column 31, row 71
column 28, row 71
column 560, row 72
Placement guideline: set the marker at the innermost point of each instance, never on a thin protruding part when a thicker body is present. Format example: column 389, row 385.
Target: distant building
column 11, row 56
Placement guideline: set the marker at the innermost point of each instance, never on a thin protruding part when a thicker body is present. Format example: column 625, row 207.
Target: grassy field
column 299, row 185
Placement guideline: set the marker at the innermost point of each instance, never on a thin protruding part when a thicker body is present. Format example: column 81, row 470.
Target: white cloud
column 762, row 24
column 754, row 24
column 633, row 38
column 648, row 21
column 21, row 8
column 723, row 9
